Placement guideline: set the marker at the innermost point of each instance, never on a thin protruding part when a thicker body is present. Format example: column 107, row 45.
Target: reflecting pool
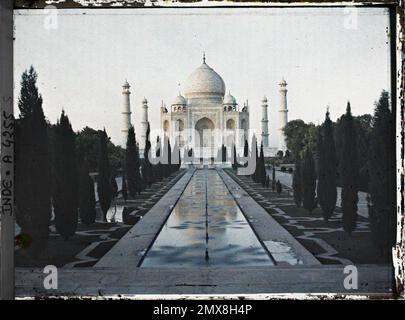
column 206, row 228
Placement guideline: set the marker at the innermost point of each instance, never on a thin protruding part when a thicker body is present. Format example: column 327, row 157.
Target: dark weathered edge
column 7, row 151
column 6, row 94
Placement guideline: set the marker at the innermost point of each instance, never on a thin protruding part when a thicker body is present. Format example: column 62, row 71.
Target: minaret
column 265, row 126
column 282, row 115
column 144, row 126
column 126, row 113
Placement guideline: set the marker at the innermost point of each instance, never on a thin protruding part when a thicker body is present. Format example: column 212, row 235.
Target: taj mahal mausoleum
column 208, row 116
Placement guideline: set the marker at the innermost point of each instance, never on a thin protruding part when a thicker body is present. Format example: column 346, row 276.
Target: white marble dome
column 179, row 100
column 229, row 99
column 204, row 82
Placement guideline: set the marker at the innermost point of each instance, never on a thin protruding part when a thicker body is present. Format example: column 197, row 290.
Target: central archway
column 205, row 137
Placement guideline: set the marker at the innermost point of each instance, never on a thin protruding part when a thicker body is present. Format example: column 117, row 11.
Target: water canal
column 206, row 228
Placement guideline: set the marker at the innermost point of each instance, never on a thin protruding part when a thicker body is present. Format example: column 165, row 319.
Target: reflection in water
column 183, row 239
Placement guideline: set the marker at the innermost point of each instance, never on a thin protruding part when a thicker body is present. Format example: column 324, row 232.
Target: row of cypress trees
column 172, row 158
column 222, row 153
column 137, row 176
column 47, row 171
column 259, row 175
column 316, row 182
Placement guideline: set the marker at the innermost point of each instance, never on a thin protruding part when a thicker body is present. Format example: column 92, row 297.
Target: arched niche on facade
column 204, row 128
column 179, row 125
column 166, row 125
column 230, row 124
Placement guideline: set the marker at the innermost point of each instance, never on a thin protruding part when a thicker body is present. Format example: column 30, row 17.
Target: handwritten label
column 7, row 156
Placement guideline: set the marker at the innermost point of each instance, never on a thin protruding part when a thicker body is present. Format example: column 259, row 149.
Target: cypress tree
column 114, row 186
column 234, row 160
column 103, row 180
column 158, row 166
column 273, row 178
column 256, row 153
column 179, row 165
column 262, row 168
column 257, row 170
column 224, row 154
column 382, row 209
column 137, row 165
column 308, row 180
column 349, row 172
column 246, row 152
column 147, row 166
column 124, row 188
column 297, row 183
column 65, row 179
column 267, row 181
column 130, row 155
column 168, row 157
column 326, row 191
column 278, row 187
column 32, row 175
column 87, row 201
column 246, row 149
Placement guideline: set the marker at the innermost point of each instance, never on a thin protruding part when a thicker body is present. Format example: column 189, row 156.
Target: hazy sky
column 83, row 62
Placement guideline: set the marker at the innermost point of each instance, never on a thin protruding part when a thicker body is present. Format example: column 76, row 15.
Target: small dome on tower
column 264, row 99
column 229, row 99
column 179, row 100
column 126, row 84
column 283, row 82
column 144, row 101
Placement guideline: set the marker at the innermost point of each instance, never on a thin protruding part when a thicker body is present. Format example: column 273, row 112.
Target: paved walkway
column 286, row 179
column 283, row 247
column 327, row 241
column 213, row 281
